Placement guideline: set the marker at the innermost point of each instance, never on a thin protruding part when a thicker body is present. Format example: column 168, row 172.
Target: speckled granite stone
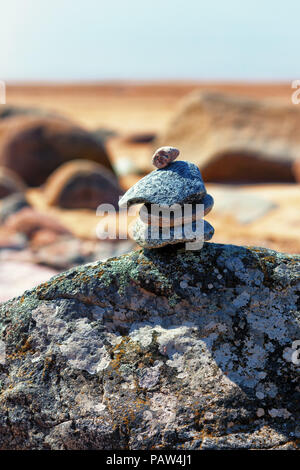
column 179, row 182
column 169, row 218
column 149, row 236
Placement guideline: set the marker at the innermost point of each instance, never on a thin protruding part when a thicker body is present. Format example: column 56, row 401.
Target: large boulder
column 296, row 168
column 235, row 139
column 34, row 146
column 82, row 184
column 156, row 349
column 10, row 183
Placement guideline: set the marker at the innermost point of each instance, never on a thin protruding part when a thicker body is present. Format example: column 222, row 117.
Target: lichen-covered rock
column 156, row 349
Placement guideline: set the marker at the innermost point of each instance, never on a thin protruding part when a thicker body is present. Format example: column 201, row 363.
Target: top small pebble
column 164, row 156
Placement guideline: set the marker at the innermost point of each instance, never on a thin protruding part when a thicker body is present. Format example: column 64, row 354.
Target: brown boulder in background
column 235, row 139
column 34, row 146
column 10, row 183
column 296, row 168
column 82, row 184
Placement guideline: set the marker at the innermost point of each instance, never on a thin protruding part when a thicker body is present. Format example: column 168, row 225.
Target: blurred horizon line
column 142, row 82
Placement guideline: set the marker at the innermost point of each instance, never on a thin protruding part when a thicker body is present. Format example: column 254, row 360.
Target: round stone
column 164, row 156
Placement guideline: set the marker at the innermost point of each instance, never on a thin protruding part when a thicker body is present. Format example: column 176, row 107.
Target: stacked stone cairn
column 174, row 202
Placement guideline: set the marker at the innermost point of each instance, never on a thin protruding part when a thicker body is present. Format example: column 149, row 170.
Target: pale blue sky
column 149, row 39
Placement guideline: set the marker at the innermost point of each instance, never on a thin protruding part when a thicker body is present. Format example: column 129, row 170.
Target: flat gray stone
column 165, row 217
column 179, row 182
column 149, row 236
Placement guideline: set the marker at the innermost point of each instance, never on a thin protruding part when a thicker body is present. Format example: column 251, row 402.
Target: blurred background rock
column 55, row 172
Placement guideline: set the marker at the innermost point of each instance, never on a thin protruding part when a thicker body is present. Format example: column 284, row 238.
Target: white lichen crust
column 158, row 349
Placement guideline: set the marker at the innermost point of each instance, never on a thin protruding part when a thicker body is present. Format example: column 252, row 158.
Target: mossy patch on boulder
column 156, row 349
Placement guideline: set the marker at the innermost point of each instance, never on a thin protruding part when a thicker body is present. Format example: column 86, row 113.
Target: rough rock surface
column 35, row 146
column 179, row 182
column 69, row 252
column 156, row 349
column 82, row 184
column 235, row 139
column 176, row 216
column 149, row 236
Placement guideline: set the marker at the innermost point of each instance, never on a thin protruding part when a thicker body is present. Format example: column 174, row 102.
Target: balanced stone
column 176, row 214
column 149, row 236
column 164, row 156
column 178, row 183
column 175, row 202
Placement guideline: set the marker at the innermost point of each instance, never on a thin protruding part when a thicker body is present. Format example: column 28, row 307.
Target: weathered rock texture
column 178, row 183
column 155, row 349
column 234, row 139
column 34, row 146
column 81, row 184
